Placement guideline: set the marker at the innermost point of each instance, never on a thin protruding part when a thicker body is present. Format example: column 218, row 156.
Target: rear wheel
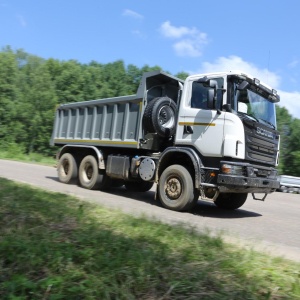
column 67, row 168
column 176, row 189
column 89, row 176
column 231, row 200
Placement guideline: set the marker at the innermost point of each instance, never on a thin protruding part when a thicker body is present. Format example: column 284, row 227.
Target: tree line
column 31, row 87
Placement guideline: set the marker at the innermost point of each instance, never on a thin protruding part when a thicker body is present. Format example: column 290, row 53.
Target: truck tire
column 176, row 189
column 160, row 116
column 140, row 186
column 89, row 175
column 67, row 168
column 231, row 200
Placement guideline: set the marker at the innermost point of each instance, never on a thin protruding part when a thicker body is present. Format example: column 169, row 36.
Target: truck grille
column 261, row 143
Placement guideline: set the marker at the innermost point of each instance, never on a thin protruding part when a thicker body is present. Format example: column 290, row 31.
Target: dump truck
column 211, row 136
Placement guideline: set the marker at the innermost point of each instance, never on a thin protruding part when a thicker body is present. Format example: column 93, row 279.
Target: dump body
column 108, row 122
column 112, row 122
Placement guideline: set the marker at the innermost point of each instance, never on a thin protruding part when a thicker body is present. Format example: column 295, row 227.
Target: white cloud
column 132, row 14
column 289, row 100
column 237, row 63
column 176, row 32
column 190, row 41
column 187, row 48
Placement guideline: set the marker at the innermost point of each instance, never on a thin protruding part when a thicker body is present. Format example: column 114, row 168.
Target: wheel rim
column 173, row 188
column 65, row 166
column 88, row 171
column 166, row 117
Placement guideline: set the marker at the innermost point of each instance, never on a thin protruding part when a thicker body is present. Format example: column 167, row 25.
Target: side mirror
column 211, row 93
column 211, row 99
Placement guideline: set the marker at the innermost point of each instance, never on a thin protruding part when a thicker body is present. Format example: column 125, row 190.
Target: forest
column 31, row 87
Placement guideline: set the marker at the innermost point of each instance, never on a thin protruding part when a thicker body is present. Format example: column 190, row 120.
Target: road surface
column 272, row 226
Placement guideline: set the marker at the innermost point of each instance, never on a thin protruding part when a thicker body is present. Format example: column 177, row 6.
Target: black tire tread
column 231, row 201
column 185, row 203
column 95, row 183
column 72, row 176
column 151, row 114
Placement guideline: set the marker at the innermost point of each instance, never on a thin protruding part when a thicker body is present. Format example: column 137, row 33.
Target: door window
column 199, row 97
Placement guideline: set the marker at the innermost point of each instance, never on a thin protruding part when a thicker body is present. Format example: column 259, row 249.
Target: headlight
column 232, row 169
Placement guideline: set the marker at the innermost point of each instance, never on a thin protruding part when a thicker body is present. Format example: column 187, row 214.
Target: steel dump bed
column 112, row 121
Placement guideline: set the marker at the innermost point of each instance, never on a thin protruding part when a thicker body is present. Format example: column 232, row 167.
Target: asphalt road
column 272, row 226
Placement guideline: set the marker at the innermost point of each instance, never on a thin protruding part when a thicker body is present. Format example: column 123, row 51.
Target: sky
column 259, row 37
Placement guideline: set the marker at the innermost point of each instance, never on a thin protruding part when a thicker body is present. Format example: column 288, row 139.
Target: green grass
column 54, row 246
column 32, row 157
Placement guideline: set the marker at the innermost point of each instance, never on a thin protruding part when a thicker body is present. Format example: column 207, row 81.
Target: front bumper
column 253, row 179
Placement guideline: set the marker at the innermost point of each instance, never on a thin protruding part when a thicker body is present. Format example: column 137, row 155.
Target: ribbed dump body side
column 106, row 122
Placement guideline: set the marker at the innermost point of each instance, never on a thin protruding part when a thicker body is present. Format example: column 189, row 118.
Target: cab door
column 199, row 126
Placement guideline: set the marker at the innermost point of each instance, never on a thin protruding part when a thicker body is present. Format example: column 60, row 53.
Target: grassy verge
column 53, row 246
column 32, row 157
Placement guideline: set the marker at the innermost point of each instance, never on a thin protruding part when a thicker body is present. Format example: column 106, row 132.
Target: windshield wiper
column 268, row 122
column 253, row 117
column 259, row 120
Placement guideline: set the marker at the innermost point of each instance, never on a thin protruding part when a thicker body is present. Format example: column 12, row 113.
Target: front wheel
column 176, row 189
column 231, row 200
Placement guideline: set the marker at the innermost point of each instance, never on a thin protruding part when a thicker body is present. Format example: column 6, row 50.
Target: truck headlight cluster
column 232, row 169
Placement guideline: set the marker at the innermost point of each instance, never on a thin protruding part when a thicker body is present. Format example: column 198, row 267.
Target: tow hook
column 260, row 199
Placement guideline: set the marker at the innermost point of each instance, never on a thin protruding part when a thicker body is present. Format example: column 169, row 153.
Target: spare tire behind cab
column 160, row 116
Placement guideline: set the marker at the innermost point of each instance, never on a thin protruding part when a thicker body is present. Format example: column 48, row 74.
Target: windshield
column 256, row 106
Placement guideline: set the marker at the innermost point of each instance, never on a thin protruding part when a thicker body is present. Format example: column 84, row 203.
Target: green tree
column 182, row 75
column 284, row 120
column 8, row 96
column 291, row 161
column 36, row 106
column 69, row 82
column 115, row 81
column 134, row 75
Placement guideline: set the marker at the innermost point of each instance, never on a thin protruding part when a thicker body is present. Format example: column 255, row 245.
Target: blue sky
column 260, row 37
